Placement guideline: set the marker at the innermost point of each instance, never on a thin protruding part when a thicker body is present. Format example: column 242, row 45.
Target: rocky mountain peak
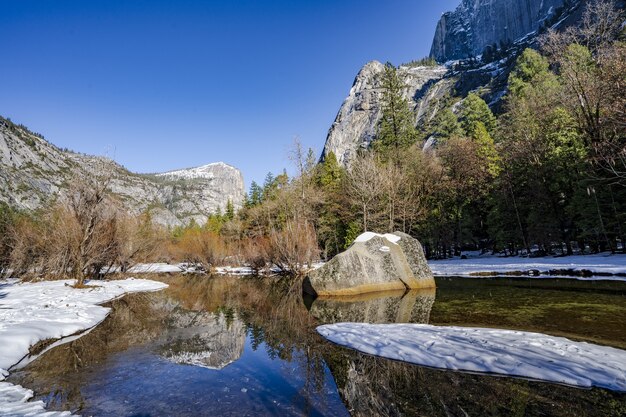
column 357, row 121
column 476, row 24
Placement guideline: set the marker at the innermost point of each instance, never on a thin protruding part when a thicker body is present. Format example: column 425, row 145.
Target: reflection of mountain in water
column 204, row 339
column 388, row 307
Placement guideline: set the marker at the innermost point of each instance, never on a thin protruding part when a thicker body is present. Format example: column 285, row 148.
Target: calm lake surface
column 227, row 346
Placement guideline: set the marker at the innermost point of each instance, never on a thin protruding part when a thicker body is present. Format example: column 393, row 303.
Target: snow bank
column 32, row 312
column 234, row 270
column 505, row 352
column 156, row 268
column 364, row 237
column 598, row 264
column 14, row 402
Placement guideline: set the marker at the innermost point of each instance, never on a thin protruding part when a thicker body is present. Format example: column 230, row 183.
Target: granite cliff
column 357, row 121
column 476, row 24
column 461, row 36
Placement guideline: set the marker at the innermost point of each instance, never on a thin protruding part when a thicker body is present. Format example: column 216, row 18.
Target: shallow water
column 238, row 346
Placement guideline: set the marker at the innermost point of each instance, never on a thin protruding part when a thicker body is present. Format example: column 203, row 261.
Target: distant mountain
column 33, row 172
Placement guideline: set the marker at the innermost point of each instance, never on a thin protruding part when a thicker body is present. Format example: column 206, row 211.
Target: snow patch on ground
column 14, row 402
column 234, row 270
column 365, row 237
column 32, row 312
column 156, row 268
column 598, row 264
column 504, row 352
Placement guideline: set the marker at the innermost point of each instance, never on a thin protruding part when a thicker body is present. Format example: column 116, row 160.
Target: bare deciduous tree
column 364, row 185
column 294, row 248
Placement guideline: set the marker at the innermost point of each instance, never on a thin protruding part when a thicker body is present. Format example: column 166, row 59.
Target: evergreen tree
column 486, row 149
column 256, row 194
column 230, row 210
column 475, row 110
column 530, row 65
column 330, row 172
column 446, row 125
column 269, row 187
column 397, row 126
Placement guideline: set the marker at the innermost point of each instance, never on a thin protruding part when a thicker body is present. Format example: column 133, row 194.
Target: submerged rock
column 373, row 263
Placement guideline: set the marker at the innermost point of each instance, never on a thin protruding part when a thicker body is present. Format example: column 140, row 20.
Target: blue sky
column 161, row 85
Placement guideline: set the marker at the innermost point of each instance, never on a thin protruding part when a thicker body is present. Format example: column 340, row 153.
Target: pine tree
column 269, row 187
column 330, row 172
column 230, row 210
column 256, row 194
column 446, row 125
column 397, row 126
column 530, row 65
column 475, row 110
column 486, row 149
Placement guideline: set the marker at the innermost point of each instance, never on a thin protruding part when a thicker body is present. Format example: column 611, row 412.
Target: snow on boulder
column 504, row 352
column 365, row 237
column 373, row 263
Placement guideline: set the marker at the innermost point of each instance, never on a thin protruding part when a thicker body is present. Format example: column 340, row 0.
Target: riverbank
column 599, row 266
column 44, row 315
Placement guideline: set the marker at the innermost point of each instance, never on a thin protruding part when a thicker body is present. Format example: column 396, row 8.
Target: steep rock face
column 33, row 171
column 476, row 24
column 357, row 121
column 214, row 185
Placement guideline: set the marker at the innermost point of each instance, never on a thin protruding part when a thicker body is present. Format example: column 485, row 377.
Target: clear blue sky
column 162, row 85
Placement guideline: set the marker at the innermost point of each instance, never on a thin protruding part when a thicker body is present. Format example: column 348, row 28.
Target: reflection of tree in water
column 376, row 386
column 276, row 318
column 134, row 319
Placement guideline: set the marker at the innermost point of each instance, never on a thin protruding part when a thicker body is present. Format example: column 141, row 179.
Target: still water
column 244, row 346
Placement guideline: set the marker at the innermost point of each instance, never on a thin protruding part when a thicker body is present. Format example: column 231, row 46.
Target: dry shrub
column 201, row 247
column 27, row 245
column 294, row 247
column 254, row 252
column 139, row 241
column 80, row 236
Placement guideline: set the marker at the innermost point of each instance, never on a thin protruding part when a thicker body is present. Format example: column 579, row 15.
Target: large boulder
column 373, row 263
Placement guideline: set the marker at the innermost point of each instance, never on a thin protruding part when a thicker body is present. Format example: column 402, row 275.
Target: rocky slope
column 356, row 123
column 476, row 24
column 33, row 171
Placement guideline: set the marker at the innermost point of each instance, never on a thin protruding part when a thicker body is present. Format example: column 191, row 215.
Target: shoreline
column 50, row 310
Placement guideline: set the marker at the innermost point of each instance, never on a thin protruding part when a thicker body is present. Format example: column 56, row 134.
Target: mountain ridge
column 34, row 171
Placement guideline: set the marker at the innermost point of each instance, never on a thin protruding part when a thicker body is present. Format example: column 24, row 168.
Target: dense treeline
column 546, row 176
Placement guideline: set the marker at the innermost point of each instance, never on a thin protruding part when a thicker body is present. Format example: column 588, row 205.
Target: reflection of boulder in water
column 205, row 339
column 388, row 307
